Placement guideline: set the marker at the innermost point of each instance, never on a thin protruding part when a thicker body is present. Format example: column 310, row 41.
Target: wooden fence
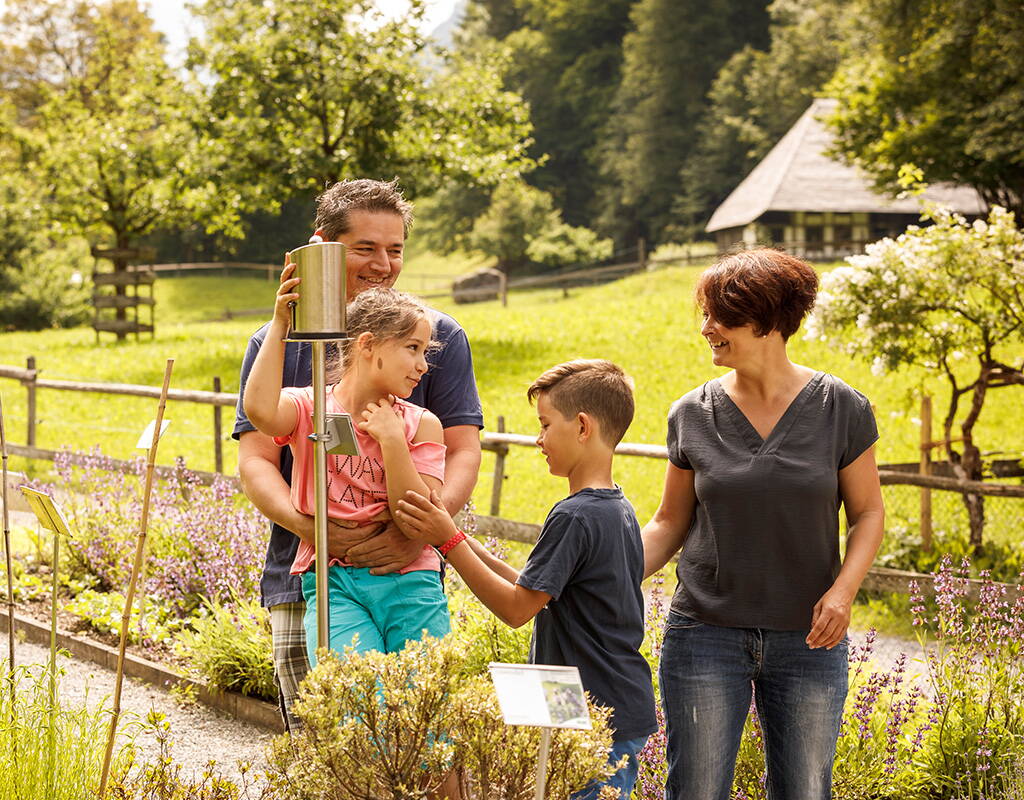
column 498, row 442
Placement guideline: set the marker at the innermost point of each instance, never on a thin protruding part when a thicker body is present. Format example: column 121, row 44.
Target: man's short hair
column 334, row 205
column 590, row 386
column 765, row 288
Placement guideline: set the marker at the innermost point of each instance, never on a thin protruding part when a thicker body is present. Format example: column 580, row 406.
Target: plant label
column 146, row 439
column 540, row 695
column 46, row 511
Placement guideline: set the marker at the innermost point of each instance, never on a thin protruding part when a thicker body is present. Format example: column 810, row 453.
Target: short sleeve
column 452, row 394
column 862, row 430
column 428, row 458
column 242, row 423
column 674, row 442
column 562, row 546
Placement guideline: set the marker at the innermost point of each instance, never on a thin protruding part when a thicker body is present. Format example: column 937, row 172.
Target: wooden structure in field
column 803, row 199
column 118, row 294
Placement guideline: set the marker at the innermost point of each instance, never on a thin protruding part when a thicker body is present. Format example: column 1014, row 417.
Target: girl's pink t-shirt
column 355, row 484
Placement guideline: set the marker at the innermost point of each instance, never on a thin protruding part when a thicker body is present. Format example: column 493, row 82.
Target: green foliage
column 939, row 85
column 670, row 58
column 522, row 229
column 301, row 94
column 151, row 619
column 230, row 648
column 64, row 767
column 393, row 726
column 480, row 636
column 1003, row 561
column 758, row 95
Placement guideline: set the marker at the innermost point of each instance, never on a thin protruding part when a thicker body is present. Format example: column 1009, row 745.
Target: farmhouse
column 802, row 199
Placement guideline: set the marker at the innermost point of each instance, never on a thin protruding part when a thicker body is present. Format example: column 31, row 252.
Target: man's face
column 375, row 242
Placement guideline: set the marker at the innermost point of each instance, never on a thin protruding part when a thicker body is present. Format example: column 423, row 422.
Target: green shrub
column 230, row 648
column 151, row 621
column 394, row 726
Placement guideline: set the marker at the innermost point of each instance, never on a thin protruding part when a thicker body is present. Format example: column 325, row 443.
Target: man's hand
column 387, row 551
column 343, row 534
column 426, row 518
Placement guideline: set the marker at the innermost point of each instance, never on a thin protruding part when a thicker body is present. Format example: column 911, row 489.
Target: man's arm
column 259, row 469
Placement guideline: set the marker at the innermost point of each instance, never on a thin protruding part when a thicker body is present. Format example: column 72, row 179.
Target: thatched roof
column 796, row 175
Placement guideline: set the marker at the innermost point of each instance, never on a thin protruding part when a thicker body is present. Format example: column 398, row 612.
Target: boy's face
column 559, row 437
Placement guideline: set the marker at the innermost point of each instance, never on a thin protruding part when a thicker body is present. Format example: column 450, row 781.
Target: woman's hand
column 285, row 295
column 830, row 618
column 382, row 421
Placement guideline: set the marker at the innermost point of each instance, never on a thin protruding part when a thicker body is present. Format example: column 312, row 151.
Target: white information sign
column 146, row 439
column 540, row 695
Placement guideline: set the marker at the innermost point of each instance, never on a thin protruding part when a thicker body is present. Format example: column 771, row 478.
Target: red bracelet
column 448, row 546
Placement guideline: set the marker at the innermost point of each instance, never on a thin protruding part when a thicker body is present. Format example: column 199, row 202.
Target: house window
column 842, row 237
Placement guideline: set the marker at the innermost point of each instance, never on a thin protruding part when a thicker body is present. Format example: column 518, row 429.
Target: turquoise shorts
column 385, row 610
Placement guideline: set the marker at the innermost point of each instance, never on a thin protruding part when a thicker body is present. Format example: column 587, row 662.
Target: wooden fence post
column 641, row 252
column 499, row 472
column 925, row 469
column 218, row 448
column 503, row 288
column 30, row 387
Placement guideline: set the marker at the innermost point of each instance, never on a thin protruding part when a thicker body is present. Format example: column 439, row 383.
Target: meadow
column 647, row 323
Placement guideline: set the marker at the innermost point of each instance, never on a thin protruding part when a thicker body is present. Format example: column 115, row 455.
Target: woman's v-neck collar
column 748, row 432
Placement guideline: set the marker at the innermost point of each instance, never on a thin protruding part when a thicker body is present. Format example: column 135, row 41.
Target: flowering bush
column 948, row 297
column 199, row 543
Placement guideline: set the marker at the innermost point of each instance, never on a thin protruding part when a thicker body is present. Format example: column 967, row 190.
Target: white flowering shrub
column 948, row 297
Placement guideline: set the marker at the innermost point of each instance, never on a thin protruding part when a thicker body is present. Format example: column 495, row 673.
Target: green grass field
column 646, row 322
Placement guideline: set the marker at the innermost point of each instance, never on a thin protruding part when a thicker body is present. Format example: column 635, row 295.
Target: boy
column 582, row 580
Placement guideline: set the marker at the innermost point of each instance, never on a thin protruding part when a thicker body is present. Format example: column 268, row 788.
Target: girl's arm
column 381, row 421
column 666, row 532
column 267, row 409
column 865, row 515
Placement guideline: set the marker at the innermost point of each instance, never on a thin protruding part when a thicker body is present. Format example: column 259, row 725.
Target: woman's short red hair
column 765, row 288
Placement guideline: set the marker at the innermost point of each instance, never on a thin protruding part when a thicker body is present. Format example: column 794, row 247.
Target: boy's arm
column 495, row 585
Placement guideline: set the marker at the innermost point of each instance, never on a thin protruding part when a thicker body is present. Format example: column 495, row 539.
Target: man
column 371, row 218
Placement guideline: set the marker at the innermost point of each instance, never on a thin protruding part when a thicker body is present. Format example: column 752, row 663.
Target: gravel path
column 198, row 733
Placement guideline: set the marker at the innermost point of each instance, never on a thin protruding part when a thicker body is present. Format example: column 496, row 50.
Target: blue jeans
column 707, row 676
column 624, row 779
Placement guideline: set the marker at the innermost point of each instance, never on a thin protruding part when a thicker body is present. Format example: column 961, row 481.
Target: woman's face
column 730, row 347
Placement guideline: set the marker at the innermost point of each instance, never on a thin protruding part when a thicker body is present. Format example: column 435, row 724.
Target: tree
column 942, row 88
column 758, row 95
column 948, row 297
column 302, row 94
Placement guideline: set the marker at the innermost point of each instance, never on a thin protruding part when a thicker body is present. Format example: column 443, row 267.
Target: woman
column 759, row 462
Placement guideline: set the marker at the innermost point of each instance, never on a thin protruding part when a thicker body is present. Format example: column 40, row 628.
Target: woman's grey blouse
column 763, row 546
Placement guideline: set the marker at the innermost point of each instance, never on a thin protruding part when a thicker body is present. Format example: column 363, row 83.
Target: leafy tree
column 758, row 95
column 522, row 228
column 670, row 59
column 948, row 297
column 943, row 88
column 302, row 94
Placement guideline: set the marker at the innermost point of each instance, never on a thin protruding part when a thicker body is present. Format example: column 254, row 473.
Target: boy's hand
column 382, row 421
column 425, row 519
column 285, row 295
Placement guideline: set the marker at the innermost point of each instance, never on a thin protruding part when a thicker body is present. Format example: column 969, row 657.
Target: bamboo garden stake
column 136, row 568
column 7, row 554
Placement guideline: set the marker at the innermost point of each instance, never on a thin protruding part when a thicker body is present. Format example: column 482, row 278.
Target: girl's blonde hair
column 384, row 313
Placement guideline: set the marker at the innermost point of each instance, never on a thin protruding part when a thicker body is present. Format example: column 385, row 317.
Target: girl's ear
column 364, row 343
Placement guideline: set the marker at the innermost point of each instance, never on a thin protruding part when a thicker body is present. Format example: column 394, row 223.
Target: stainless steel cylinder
column 320, row 310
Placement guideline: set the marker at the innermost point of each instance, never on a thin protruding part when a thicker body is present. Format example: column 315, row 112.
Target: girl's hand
column 382, row 421
column 285, row 295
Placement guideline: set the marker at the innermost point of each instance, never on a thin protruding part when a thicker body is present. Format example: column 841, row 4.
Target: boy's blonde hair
column 384, row 313
column 590, row 386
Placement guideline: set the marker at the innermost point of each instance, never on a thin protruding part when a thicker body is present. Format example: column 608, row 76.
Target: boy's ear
column 586, row 425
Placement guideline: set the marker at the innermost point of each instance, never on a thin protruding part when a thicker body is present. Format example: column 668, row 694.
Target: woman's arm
column 666, row 532
column 865, row 515
column 267, row 409
column 381, row 422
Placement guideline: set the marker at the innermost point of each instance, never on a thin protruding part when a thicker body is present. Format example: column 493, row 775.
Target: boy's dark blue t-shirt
column 590, row 559
column 448, row 389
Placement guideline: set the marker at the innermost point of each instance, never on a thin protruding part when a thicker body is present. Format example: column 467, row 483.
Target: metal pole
column 542, row 763
column 925, row 469
column 320, row 488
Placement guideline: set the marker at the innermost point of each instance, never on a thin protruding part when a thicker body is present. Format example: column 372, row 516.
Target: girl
column 382, row 362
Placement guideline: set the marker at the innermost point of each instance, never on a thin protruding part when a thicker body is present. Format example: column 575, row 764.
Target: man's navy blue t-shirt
column 448, row 389
column 590, row 559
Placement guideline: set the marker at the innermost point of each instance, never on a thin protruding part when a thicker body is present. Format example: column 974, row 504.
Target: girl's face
column 397, row 365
